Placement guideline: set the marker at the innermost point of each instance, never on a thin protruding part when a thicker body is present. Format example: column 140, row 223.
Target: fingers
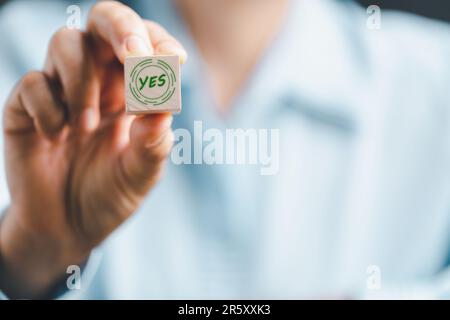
column 76, row 76
column 120, row 27
column 70, row 61
column 33, row 105
column 73, row 58
column 123, row 29
column 151, row 140
column 163, row 43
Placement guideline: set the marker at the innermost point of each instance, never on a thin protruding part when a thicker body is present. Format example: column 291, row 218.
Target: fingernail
column 135, row 45
column 89, row 119
column 172, row 49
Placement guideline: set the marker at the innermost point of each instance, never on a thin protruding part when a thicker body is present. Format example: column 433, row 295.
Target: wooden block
column 152, row 84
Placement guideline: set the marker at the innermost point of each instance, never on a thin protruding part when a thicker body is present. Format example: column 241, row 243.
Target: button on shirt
column 360, row 203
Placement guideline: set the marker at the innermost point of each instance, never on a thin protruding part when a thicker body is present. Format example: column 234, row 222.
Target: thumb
column 151, row 140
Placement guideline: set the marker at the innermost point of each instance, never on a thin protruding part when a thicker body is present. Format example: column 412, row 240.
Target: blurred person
column 359, row 206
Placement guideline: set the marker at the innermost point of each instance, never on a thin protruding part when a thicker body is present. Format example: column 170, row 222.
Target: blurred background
column 437, row 9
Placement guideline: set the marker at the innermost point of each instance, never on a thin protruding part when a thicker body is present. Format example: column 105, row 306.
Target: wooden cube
column 152, row 84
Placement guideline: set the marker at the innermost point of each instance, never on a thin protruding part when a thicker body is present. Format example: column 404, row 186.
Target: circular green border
column 171, row 78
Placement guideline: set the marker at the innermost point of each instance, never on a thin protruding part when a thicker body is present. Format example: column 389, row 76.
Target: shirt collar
column 316, row 67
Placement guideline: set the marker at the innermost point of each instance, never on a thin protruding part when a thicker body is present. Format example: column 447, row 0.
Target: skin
column 77, row 166
column 242, row 31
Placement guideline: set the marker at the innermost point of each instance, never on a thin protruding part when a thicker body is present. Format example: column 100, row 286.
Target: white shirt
column 360, row 205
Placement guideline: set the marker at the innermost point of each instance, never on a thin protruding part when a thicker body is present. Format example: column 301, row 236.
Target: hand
column 77, row 166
